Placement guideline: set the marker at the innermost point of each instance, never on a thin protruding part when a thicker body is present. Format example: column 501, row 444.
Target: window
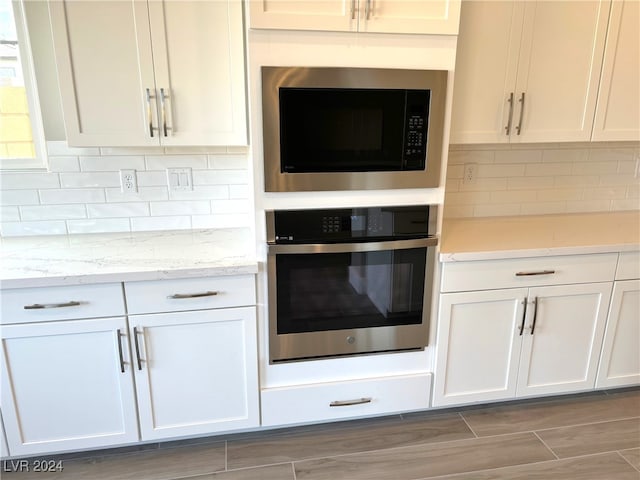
column 21, row 133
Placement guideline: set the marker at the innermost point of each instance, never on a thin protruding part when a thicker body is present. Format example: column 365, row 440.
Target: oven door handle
column 352, row 247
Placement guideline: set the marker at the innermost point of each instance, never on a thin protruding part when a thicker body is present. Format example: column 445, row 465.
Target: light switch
column 179, row 179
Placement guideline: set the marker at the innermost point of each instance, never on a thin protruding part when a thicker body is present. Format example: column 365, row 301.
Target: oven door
column 342, row 299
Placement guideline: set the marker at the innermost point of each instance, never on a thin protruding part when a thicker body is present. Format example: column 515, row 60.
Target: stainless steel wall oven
column 352, row 128
column 349, row 281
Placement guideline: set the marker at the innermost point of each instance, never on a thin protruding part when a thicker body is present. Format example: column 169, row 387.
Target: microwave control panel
column 416, row 128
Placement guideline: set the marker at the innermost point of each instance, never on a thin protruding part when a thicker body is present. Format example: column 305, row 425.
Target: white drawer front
column 528, row 272
column 24, row 305
column 190, row 294
column 628, row 266
column 376, row 396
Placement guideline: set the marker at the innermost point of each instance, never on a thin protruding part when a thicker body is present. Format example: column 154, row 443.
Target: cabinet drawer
column 376, row 396
column 44, row 304
column 528, row 272
column 628, row 266
column 190, row 294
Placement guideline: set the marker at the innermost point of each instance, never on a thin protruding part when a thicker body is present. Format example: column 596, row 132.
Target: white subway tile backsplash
column 53, row 212
column 197, row 207
column 75, row 195
column 220, row 177
column 203, row 192
column 9, row 214
column 99, row 225
column 55, row 148
column 19, row 197
column 156, row 178
column 230, row 206
column 12, row 229
column 500, row 171
column 228, row 162
column 118, row 151
column 548, row 169
column 64, row 164
column 162, row 162
column 549, row 179
column 115, row 210
column 111, row 164
column 90, row 179
column 195, row 150
column 142, row 224
column 518, row 156
column 237, row 191
column 24, row 181
column 144, row 194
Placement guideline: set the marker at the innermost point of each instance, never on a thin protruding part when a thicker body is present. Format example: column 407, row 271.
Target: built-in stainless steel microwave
column 352, row 128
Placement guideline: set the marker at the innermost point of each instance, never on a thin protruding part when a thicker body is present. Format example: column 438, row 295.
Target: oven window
column 334, row 130
column 335, row 291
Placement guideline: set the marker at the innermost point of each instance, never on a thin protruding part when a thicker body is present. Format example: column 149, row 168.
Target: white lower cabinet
column 347, row 399
column 67, row 385
column 620, row 359
column 196, row 372
column 518, row 342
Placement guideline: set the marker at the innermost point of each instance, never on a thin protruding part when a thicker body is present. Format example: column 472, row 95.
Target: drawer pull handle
column 524, row 315
column 137, row 345
column 541, row 272
column 346, row 403
column 120, row 355
column 39, row 306
column 179, row 296
column 535, row 315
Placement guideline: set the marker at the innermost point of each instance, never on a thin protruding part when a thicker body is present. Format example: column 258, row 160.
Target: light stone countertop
column 539, row 235
column 54, row 260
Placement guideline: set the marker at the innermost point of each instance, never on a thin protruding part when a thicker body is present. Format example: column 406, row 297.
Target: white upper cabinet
column 134, row 73
column 379, row 16
column 528, row 71
column 618, row 110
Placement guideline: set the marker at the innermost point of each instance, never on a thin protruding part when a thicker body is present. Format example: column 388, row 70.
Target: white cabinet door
column 549, row 51
column 559, row 70
column 620, row 359
column 134, row 73
column 478, row 346
column 4, row 448
column 198, row 58
column 562, row 338
column 334, row 15
column 67, row 386
column 196, row 372
column 618, row 111
column 381, row 16
column 485, row 75
column 103, row 57
column 439, row 17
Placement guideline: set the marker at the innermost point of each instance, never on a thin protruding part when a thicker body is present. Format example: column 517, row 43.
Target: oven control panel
column 348, row 225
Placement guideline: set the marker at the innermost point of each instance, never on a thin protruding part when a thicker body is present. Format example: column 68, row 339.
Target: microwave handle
column 352, row 247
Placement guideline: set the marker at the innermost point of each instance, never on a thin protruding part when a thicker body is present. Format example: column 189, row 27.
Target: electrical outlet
column 470, row 173
column 179, row 179
column 128, row 181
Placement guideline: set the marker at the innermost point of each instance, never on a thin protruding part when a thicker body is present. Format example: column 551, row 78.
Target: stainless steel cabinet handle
column 178, row 296
column 163, row 109
column 149, row 115
column 510, row 121
column 535, row 315
column 120, row 351
column 519, row 126
column 368, row 9
column 540, row 272
column 346, row 403
column 39, row 306
column 524, row 315
column 137, row 345
column 353, row 9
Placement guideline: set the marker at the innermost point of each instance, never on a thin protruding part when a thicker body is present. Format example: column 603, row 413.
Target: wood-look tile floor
column 593, row 436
